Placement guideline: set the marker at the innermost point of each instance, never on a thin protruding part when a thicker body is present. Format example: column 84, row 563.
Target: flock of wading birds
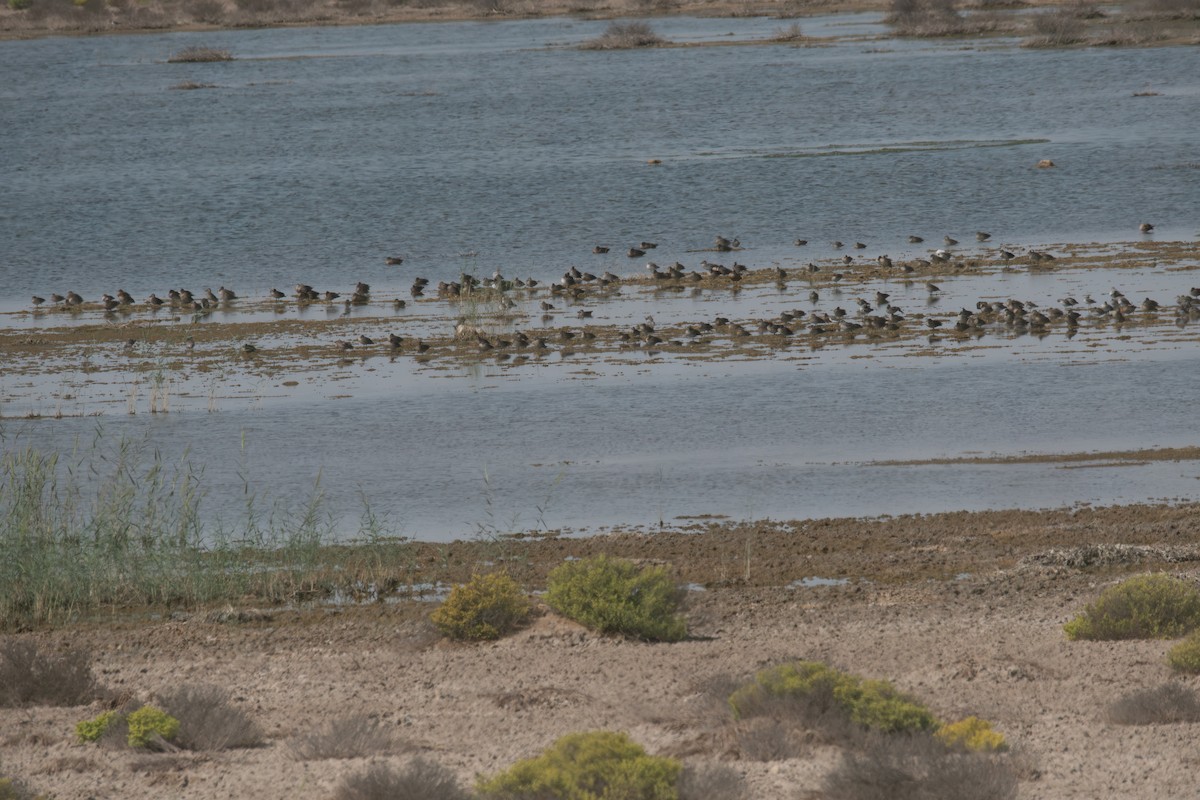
column 867, row 316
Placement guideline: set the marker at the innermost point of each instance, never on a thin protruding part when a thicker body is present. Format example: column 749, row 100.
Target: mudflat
column 962, row 610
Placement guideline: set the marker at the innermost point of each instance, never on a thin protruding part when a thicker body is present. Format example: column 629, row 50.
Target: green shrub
column 617, row 596
column 148, row 723
column 486, row 607
column 873, row 704
column 1152, row 606
column 1185, row 656
column 18, row 5
column 600, row 765
column 90, row 730
column 973, row 734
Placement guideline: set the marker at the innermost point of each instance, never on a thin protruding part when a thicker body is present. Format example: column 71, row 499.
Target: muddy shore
column 963, row 610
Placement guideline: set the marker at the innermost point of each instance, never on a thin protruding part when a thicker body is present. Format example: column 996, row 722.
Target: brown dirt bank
column 989, row 643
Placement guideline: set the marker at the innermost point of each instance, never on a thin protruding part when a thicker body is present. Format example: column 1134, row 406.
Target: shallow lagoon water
column 484, row 146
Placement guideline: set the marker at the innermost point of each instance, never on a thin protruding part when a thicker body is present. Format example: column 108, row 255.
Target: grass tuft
column 29, row 677
column 420, row 780
column 625, row 36
column 916, row 768
column 353, row 736
column 199, row 55
column 207, row 720
column 1168, row 703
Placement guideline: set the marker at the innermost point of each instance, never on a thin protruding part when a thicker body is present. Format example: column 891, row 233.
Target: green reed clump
column 110, row 526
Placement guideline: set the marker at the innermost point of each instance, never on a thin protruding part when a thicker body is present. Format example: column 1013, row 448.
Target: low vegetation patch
column 599, row 765
column 354, row 736
column 709, row 781
column 187, row 86
column 30, row 677
column 1061, row 28
column 198, row 54
column 208, row 721
column 1153, row 606
column 814, row 690
column 145, row 727
column 1168, row 703
column 486, row 607
column 625, row 36
column 1185, row 656
column 933, row 18
column 617, row 596
column 973, row 735
column 419, row 780
column 918, row 768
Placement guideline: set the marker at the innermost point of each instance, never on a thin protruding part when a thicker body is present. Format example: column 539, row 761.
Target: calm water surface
column 486, row 146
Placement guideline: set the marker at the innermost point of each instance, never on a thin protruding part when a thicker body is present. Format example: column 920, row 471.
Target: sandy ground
column 963, row 610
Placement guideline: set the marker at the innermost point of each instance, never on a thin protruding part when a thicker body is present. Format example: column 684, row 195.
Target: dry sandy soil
column 963, row 610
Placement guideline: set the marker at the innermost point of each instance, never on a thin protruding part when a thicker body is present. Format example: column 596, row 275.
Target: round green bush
column 90, row 730
column 486, row 607
column 599, row 765
column 613, row 595
column 873, row 704
column 1185, row 656
column 1153, row 606
column 149, row 722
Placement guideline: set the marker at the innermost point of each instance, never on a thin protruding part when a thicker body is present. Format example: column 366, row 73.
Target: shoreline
column 963, row 611
column 985, row 20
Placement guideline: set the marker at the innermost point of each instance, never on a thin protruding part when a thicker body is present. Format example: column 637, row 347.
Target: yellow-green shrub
column 600, row 765
column 613, row 595
column 1151, row 606
column 1185, row 656
column 486, row 607
column 91, row 730
column 972, row 734
column 148, row 722
column 870, row 703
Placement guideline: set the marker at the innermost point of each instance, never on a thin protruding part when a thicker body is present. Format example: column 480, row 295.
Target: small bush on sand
column 29, row 677
column 420, row 780
column 207, row 720
column 1185, row 656
column 918, row 768
column 971, row 734
column 193, row 55
column 872, row 704
column 1151, row 606
column 354, row 736
column 149, row 726
column 486, row 607
column 709, row 781
column 12, row 789
column 1170, row 702
column 600, row 765
column 90, row 730
column 145, row 727
column 625, row 36
column 617, row 596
